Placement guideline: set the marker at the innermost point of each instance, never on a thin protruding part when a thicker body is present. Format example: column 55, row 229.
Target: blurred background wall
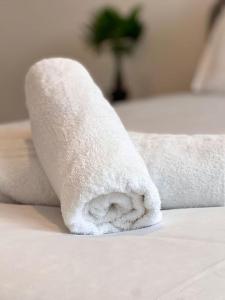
column 163, row 63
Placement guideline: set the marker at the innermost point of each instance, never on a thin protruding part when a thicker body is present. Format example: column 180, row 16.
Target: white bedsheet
column 185, row 259
column 178, row 113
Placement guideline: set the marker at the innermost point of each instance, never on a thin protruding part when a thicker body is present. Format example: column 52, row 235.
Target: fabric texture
column 184, row 259
column 181, row 113
column 21, row 175
column 210, row 76
column 22, row 178
column 188, row 170
column 100, row 179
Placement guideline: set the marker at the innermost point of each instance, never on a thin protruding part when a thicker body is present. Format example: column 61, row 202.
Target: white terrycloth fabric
column 101, row 180
column 21, row 175
column 189, row 170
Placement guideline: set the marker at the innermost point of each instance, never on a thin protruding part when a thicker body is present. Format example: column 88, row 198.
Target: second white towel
column 189, row 170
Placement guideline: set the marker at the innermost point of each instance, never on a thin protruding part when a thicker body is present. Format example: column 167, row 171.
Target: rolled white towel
column 101, row 180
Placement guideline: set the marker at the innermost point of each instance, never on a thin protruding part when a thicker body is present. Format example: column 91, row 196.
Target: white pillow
column 210, row 73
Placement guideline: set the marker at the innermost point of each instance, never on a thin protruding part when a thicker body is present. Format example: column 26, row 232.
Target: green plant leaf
column 119, row 33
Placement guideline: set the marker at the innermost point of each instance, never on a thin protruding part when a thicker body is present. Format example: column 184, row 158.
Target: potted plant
column 120, row 34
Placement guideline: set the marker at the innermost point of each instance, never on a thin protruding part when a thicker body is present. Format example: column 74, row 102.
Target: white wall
column 164, row 62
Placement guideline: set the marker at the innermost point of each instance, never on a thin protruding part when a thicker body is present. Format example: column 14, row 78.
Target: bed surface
column 185, row 259
column 178, row 113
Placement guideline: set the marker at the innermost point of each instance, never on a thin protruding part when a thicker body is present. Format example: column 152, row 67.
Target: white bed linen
column 39, row 259
column 178, row 113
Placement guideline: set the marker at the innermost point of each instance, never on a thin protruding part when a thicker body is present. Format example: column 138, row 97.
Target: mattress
column 184, row 258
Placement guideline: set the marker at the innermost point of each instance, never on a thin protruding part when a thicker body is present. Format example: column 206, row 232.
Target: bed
column 183, row 258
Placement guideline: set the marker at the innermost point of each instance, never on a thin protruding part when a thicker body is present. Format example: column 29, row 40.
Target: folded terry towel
column 101, row 180
column 22, row 178
column 189, row 171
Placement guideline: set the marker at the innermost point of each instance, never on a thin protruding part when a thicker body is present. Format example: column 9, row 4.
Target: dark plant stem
column 119, row 92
